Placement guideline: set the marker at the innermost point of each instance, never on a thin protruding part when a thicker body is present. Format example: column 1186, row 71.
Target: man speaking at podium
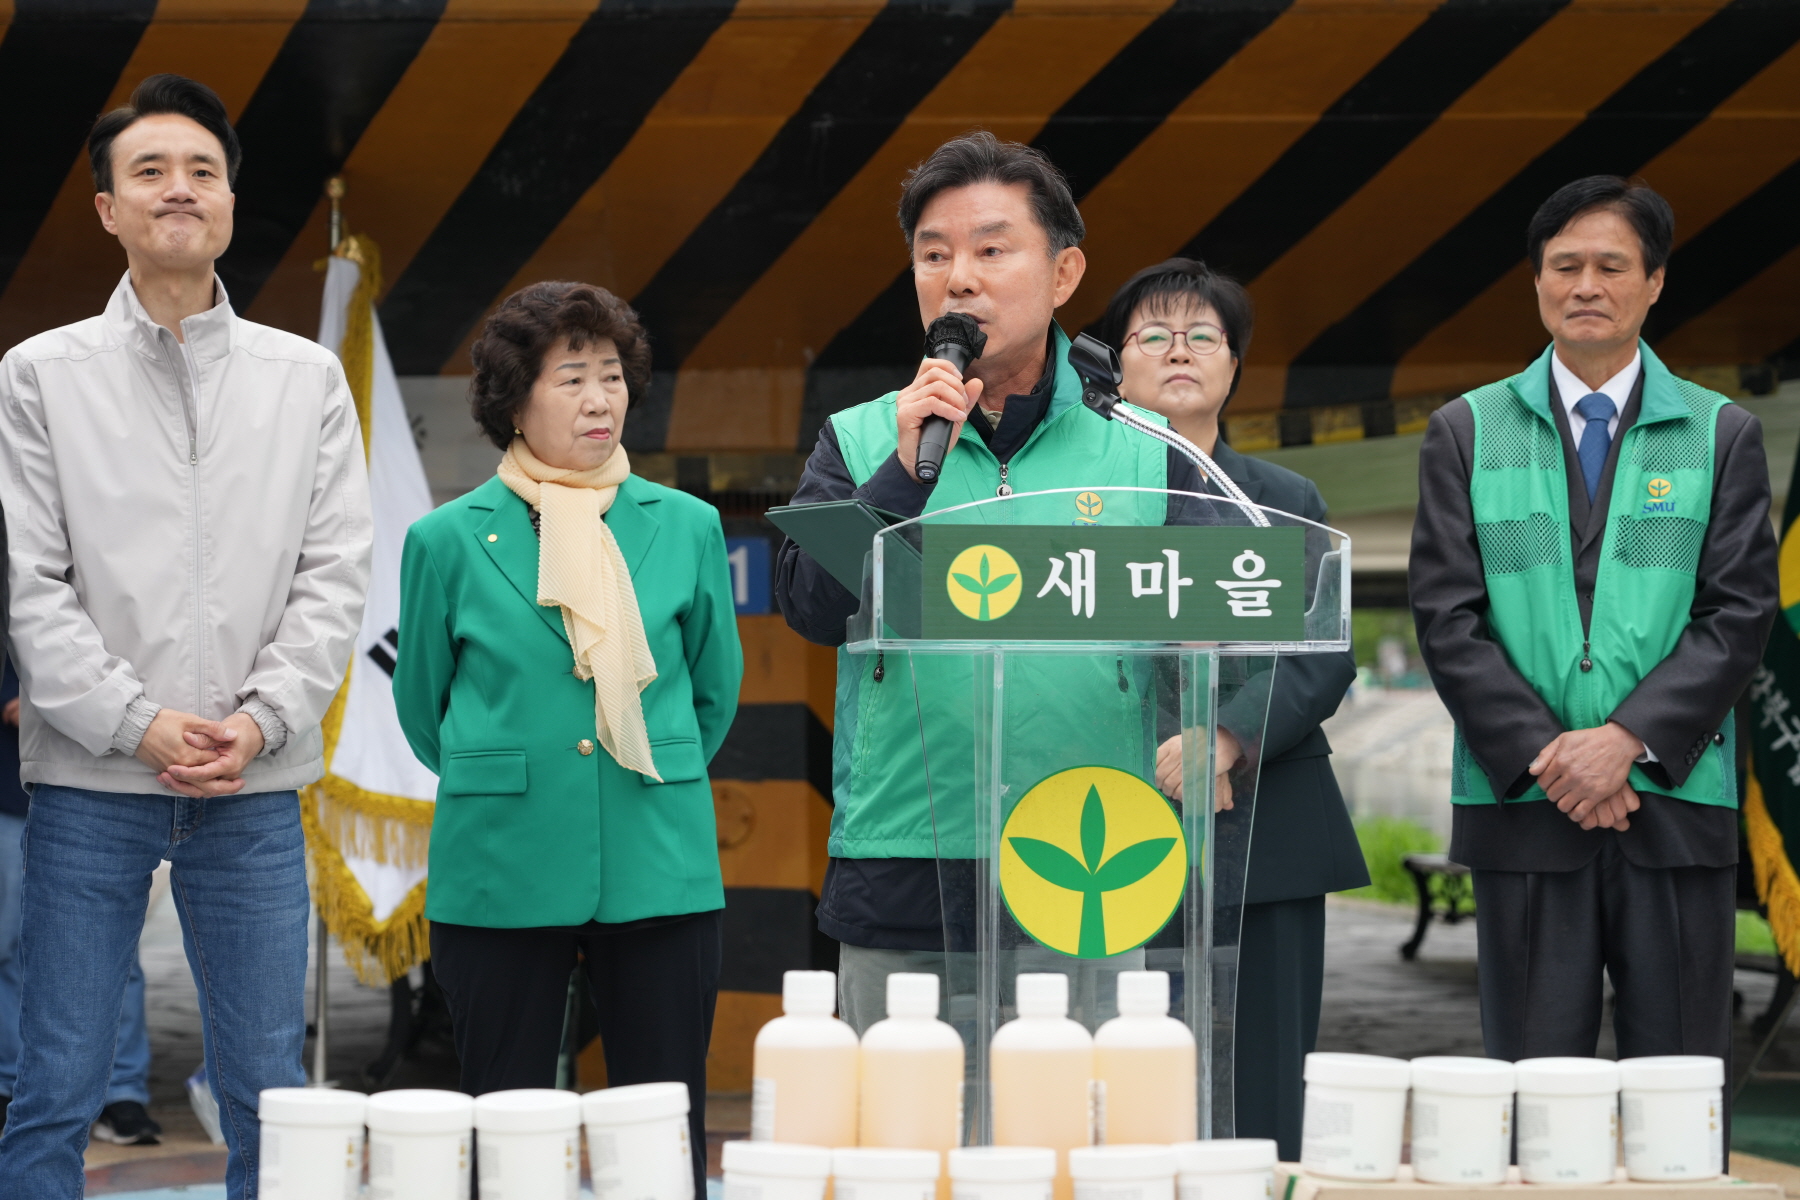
column 1593, row 577
column 993, row 233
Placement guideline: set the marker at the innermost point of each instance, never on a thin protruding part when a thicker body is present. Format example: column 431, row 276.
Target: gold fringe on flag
column 1777, row 886
column 338, row 817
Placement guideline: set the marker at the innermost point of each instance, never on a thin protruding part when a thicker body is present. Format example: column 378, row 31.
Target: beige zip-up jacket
column 188, row 527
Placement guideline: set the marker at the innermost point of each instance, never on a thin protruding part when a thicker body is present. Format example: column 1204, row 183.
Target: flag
column 368, row 821
column 1772, row 792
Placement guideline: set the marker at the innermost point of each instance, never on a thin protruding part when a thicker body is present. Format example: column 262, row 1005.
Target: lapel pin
column 493, row 537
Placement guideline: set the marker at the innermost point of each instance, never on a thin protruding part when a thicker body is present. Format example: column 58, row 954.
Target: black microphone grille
column 955, row 329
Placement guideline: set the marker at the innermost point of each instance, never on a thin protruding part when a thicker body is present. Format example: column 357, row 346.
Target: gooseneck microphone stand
column 1098, row 366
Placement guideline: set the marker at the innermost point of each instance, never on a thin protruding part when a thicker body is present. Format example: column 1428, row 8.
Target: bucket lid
column 1671, row 1073
column 1122, row 1162
column 1459, row 1076
column 1220, row 1156
column 1358, row 1071
column 1002, row 1164
column 1567, row 1076
column 310, row 1106
column 880, row 1163
column 528, row 1110
column 777, row 1158
column 420, row 1110
column 635, row 1103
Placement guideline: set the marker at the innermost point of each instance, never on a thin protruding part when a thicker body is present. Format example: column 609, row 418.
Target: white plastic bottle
column 1042, row 1068
column 804, row 1077
column 912, row 1073
column 1145, row 1067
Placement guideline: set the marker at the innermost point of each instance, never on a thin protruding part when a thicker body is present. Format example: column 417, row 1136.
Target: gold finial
column 334, row 188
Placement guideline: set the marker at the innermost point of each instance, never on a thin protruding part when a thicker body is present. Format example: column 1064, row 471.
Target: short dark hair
column 980, row 157
column 159, row 94
column 1646, row 211
column 509, row 354
column 1175, row 281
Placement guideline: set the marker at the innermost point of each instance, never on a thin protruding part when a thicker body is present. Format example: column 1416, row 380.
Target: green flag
column 1772, row 792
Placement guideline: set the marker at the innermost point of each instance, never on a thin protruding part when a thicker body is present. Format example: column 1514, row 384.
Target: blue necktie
column 1596, row 439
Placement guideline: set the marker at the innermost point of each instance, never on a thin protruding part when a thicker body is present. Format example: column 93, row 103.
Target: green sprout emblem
column 1092, row 878
column 983, row 587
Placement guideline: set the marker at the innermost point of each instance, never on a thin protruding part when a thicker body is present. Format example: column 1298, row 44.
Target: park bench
column 1456, row 888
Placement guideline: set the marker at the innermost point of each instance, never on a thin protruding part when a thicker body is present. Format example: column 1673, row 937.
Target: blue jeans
column 131, row 1056
column 239, row 887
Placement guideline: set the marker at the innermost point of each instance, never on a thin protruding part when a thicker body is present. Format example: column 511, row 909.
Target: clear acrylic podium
column 1072, row 654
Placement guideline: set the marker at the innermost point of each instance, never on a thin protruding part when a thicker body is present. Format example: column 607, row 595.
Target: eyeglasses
column 1156, row 340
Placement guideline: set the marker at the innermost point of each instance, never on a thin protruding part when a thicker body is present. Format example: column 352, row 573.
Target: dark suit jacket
column 1676, row 709
column 1303, row 843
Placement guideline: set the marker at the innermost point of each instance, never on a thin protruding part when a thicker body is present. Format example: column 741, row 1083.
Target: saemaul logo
column 1660, row 491
column 1088, row 504
column 1093, row 862
column 984, row 582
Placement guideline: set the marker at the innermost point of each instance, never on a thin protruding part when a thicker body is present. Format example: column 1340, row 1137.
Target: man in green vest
column 1593, row 577
column 993, row 232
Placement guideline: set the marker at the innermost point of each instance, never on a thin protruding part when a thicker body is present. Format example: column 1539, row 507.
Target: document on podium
column 837, row 533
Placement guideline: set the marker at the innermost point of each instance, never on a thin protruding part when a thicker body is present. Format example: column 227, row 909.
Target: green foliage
column 1753, row 936
column 1369, row 625
column 1386, row 841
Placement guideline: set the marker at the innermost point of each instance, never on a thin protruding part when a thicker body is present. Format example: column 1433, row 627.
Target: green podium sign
column 1164, row 583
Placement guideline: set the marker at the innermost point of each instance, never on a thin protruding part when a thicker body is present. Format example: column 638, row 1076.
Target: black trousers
column 1281, row 976
column 654, row 983
column 1665, row 936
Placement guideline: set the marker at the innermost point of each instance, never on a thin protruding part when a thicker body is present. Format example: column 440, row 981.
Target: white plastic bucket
column 419, row 1142
column 637, row 1138
column 775, row 1171
column 1226, row 1169
column 1670, row 1107
column 1123, row 1172
column 312, row 1144
column 528, row 1144
column 1355, row 1115
column 1462, row 1120
column 1002, row 1172
column 1568, row 1120
column 876, row 1173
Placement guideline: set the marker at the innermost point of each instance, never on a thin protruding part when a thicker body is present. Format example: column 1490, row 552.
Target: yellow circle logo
column 1089, row 504
column 1659, row 488
column 984, row 583
column 1093, row 862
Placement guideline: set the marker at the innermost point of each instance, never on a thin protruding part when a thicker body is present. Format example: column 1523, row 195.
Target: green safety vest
column 895, row 796
column 1655, row 525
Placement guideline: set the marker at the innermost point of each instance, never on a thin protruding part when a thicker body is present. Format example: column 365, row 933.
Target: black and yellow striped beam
column 1355, row 358
column 732, row 167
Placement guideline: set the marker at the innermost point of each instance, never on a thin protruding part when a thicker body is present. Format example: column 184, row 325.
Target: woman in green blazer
column 568, row 666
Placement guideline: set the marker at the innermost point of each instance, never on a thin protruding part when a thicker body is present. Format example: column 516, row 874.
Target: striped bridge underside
column 1366, row 168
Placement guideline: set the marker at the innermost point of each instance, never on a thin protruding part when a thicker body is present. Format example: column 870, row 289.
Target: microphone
column 957, row 339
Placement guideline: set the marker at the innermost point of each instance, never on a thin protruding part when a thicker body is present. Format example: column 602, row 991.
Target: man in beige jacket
column 188, row 516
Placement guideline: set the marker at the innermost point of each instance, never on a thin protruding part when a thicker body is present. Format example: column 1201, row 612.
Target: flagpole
column 334, row 188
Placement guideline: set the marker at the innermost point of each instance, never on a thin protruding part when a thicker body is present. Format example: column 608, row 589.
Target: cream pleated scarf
column 581, row 571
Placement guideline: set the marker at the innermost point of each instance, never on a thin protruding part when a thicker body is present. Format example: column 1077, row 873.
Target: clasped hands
column 1584, row 771
column 199, row 758
column 1227, row 753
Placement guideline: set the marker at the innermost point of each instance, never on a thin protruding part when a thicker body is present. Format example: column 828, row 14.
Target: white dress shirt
column 1617, row 389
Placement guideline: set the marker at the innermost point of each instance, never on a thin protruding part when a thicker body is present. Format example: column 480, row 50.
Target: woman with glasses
column 1182, row 331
